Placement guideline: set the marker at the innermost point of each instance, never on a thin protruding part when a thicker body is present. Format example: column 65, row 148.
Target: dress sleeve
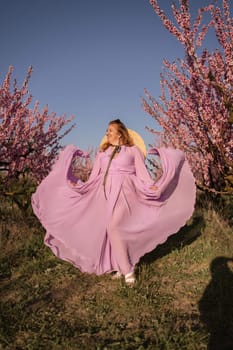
column 76, row 182
column 96, row 167
column 140, row 167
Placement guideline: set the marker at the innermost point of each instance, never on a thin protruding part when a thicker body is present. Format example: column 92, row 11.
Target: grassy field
column 183, row 298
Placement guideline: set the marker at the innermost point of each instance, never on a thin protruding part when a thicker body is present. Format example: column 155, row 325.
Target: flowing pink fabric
column 101, row 234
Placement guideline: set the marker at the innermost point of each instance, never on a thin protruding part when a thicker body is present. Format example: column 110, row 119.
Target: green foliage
column 46, row 303
column 19, row 191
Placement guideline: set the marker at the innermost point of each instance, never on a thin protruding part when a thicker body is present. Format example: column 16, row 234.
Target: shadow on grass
column 185, row 236
column 216, row 305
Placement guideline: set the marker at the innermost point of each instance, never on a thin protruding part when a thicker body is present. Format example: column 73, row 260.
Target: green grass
column 177, row 303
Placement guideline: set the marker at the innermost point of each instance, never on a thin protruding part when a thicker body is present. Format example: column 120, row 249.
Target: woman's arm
column 141, row 171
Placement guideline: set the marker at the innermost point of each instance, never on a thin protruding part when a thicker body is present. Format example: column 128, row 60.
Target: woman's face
column 113, row 136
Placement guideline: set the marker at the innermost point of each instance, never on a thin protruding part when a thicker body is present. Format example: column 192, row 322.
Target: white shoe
column 130, row 278
column 116, row 275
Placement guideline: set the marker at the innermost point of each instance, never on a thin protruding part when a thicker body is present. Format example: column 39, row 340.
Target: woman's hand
column 73, row 184
column 154, row 188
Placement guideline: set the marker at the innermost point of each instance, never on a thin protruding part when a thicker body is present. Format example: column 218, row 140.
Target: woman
column 107, row 223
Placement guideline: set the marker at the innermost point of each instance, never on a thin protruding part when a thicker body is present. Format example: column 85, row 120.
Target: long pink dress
column 101, row 234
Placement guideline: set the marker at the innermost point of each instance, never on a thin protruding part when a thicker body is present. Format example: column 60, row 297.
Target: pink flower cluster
column 195, row 109
column 29, row 138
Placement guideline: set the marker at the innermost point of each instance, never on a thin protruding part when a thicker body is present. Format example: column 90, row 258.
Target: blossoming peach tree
column 195, row 109
column 29, row 139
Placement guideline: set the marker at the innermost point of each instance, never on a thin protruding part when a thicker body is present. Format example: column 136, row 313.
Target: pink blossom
column 195, row 108
column 30, row 138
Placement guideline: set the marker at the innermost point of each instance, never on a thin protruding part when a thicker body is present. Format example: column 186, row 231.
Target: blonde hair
column 126, row 139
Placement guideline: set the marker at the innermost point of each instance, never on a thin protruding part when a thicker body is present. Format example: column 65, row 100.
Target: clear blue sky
column 91, row 59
